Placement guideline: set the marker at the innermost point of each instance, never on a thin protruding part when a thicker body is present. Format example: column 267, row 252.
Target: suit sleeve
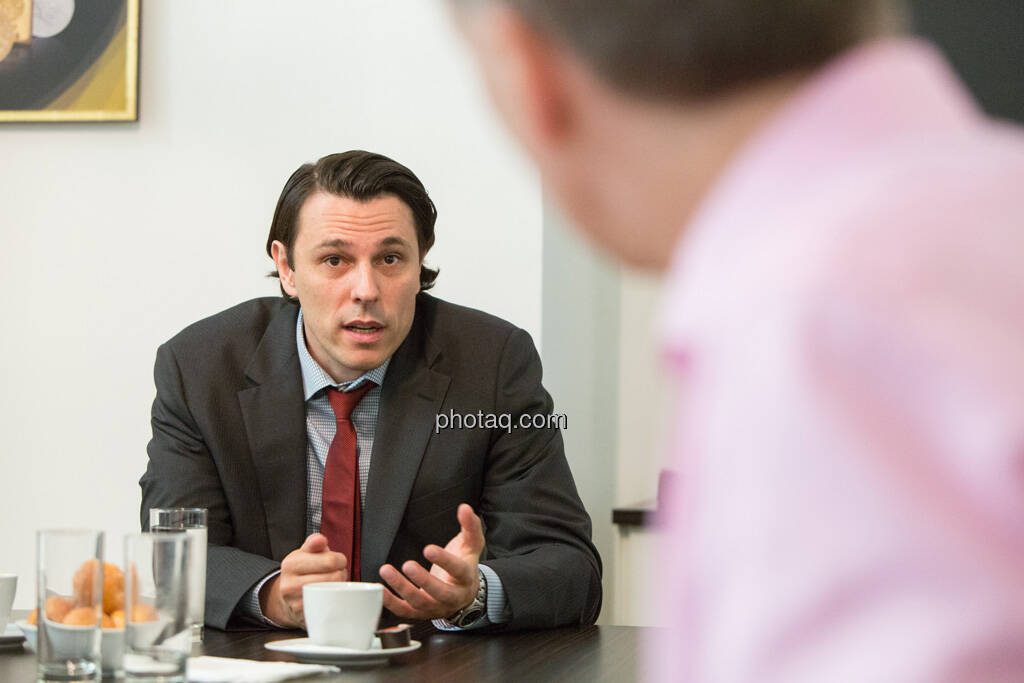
column 537, row 531
column 181, row 473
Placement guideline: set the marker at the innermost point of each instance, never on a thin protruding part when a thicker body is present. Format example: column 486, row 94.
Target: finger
column 442, row 592
column 408, row 591
column 400, row 608
column 315, row 543
column 472, row 529
column 294, row 588
column 461, row 570
column 314, row 563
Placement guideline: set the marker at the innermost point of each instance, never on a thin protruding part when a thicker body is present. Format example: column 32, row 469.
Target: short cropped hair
column 693, row 49
column 361, row 176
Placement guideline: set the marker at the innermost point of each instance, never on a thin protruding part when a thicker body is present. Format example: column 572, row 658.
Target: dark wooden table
column 590, row 654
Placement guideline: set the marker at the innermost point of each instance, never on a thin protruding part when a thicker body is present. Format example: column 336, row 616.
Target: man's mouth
column 368, row 328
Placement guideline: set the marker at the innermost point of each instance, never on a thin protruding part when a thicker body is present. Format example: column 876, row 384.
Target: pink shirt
column 844, row 325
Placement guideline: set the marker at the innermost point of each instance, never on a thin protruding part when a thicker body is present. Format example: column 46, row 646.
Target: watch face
column 471, row 617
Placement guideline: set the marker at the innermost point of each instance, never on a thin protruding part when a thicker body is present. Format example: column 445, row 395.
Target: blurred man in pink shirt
column 842, row 232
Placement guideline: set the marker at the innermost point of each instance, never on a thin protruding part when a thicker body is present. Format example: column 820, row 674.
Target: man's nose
column 365, row 288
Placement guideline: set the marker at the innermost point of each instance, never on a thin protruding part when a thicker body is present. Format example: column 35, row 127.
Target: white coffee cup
column 8, row 586
column 342, row 613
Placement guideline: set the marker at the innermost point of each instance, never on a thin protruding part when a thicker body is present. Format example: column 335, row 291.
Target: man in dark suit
column 247, row 423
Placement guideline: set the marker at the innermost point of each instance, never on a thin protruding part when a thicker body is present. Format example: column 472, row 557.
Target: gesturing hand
column 452, row 581
column 281, row 597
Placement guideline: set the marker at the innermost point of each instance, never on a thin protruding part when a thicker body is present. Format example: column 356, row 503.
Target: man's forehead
column 386, row 215
column 342, row 206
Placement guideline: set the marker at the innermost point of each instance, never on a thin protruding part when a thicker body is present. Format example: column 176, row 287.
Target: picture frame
column 69, row 61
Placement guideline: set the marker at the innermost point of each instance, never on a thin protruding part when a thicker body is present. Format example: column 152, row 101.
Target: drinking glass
column 8, row 587
column 193, row 522
column 69, row 599
column 158, row 631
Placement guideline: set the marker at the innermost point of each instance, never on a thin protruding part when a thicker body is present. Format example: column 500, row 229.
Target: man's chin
column 361, row 363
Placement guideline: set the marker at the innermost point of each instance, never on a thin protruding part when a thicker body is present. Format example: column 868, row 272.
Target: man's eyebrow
column 393, row 242
column 336, row 243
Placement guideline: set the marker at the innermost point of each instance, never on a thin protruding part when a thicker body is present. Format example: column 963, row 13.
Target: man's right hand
column 281, row 597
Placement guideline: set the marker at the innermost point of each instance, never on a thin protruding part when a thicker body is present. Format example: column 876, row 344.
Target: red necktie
column 339, row 520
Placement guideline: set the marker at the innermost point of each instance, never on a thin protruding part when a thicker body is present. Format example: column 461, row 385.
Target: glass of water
column 193, row 522
column 157, row 630
column 69, row 584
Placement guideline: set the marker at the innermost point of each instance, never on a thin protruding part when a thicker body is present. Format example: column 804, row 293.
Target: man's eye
column 392, row 259
column 333, row 260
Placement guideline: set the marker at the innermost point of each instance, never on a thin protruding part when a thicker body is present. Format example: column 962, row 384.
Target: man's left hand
column 452, row 581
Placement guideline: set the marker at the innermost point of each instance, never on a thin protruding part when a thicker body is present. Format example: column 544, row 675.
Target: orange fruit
column 143, row 613
column 113, row 586
column 82, row 583
column 117, row 617
column 81, row 616
column 56, row 609
column 107, row 622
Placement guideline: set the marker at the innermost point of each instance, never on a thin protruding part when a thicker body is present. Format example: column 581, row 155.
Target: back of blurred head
column 632, row 108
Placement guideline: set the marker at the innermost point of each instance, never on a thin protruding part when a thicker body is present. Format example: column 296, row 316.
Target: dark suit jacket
column 229, row 434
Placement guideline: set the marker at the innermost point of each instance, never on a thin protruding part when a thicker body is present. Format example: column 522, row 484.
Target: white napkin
column 226, row 670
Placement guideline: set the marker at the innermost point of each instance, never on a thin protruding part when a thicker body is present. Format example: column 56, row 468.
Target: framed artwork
column 68, row 60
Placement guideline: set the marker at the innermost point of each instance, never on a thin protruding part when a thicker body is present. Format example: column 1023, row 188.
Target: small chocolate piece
column 395, row 636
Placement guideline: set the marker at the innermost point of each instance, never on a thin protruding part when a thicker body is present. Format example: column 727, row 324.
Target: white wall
column 642, row 391
column 641, row 428
column 581, row 361
column 117, row 235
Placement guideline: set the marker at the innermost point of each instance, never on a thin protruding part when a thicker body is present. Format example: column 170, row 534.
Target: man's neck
column 664, row 159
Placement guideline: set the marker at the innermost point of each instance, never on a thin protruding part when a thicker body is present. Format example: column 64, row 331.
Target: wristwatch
column 474, row 611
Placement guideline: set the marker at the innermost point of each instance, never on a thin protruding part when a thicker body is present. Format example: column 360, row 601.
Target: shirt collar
column 315, row 378
column 869, row 99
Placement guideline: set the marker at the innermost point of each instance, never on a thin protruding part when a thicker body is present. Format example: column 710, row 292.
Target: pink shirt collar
column 875, row 95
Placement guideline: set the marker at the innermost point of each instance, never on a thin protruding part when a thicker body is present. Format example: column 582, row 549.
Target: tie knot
column 342, row 402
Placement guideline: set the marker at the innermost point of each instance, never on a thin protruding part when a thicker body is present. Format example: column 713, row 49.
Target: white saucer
column 306, row 650
column 11, row 638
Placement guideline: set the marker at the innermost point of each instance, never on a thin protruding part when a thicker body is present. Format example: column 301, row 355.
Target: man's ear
column 284, row 269
column 526, row 74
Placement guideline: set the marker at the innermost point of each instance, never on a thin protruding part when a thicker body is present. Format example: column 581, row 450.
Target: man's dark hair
column 690, row 49
column 361, row 176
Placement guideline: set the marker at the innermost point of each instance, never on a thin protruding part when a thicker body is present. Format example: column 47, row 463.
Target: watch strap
column 474, row 611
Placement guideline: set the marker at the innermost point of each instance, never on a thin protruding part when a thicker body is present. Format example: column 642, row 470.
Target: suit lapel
column 410, row 399
column 275, row 422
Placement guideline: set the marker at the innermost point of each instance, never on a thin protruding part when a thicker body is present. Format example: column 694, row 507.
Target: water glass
column 8, row 587
column 193, row 522
column 69, row 599
column 158, row 630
